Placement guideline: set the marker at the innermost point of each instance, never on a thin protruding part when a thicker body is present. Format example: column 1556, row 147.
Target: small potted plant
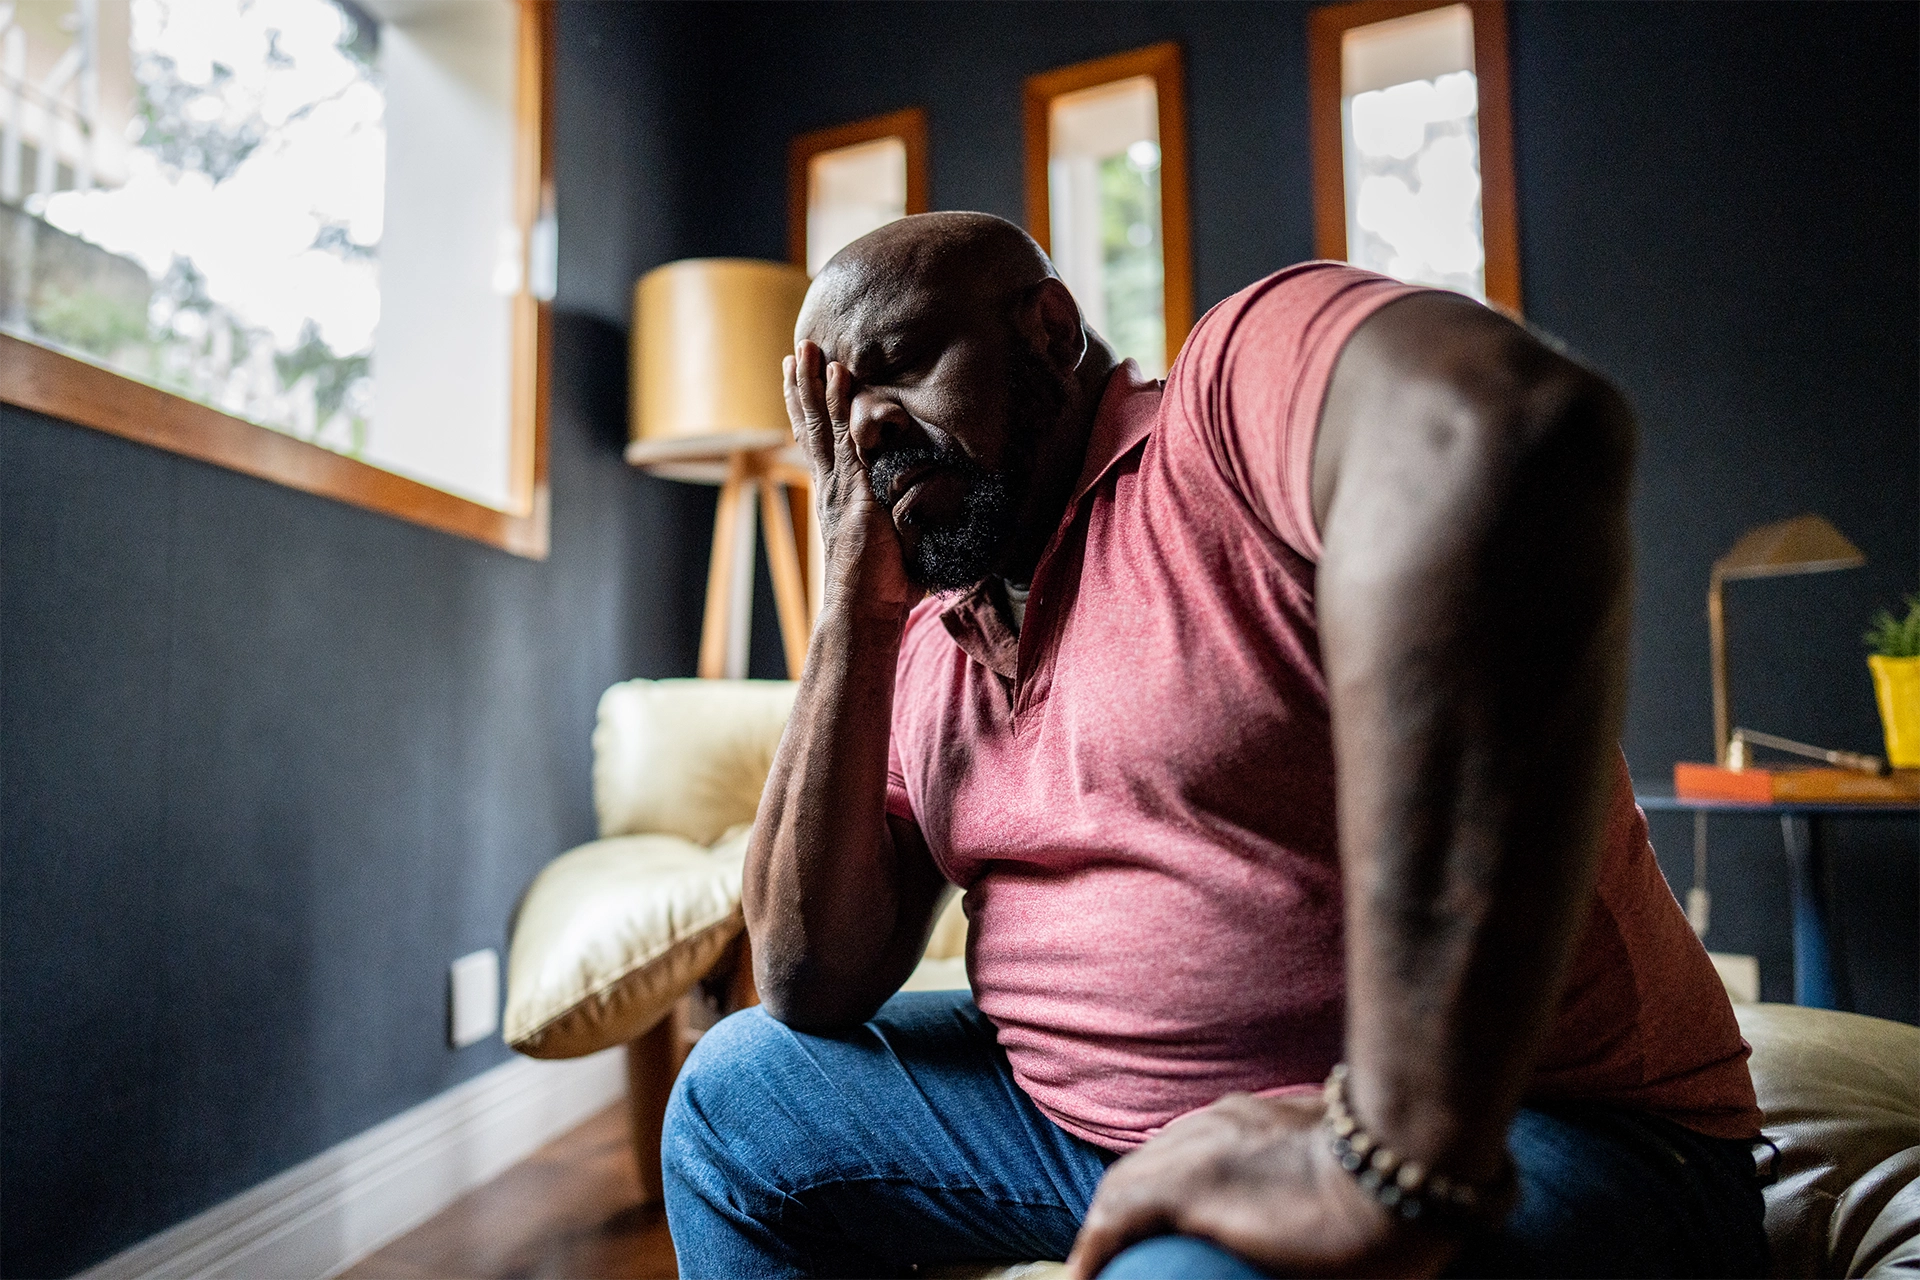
column 1895, row 661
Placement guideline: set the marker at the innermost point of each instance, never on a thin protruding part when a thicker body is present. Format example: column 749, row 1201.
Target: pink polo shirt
column 1136, row 794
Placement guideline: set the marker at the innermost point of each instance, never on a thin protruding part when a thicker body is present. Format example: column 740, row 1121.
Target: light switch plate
column 473, row 998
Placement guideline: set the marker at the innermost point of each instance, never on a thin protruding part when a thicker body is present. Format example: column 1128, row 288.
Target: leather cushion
column 612, row 933
column 937, row 973
column 685, row 757
column 949, row 938
column 1841, row 1097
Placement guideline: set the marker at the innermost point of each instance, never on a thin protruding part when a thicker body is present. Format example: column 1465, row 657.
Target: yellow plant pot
column 1896, row 685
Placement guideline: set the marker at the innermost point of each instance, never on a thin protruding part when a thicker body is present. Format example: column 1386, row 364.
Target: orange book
column 1763, row 786
column 1711, row 782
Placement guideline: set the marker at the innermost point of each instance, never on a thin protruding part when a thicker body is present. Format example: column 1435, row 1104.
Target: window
column 847, row 181
column 1413, row 168
column 306, row 239
column 1107, row 196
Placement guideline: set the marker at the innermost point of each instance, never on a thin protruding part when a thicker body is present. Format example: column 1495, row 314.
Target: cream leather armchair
column 637, row 939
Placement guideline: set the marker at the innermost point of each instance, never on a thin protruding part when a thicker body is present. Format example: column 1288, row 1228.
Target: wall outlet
column 473, row 998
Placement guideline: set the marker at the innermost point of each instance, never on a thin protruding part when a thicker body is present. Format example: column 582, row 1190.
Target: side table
column 1819, row 963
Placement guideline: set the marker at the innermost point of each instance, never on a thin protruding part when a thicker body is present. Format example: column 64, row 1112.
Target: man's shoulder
column 1288, row 298
column 1251, row 378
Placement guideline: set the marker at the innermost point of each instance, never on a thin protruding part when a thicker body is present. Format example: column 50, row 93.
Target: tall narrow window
column 1106, row 190
column 1412, row 164
column 847, row 181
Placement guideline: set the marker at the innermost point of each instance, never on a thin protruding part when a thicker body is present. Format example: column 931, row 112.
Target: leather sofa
column 636, row 938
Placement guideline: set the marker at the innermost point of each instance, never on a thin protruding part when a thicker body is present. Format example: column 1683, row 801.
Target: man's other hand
column 1257, row 1176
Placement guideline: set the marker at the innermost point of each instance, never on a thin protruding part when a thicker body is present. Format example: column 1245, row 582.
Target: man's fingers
column 839, row 395
column 1114, row 1222
column 1096, row 1246
column 839, row 406
column 807, row 405
column 803, row 427
column 791, row 395
column 808, row 383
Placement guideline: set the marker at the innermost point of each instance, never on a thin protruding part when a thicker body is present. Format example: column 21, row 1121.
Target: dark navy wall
column 269, row 762
column 1717, row 207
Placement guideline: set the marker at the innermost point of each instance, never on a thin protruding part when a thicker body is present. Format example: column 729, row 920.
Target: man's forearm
column 829, row 898
column 1473, row 600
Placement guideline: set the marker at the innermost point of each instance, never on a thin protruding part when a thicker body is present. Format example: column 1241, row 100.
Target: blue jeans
column 907, row 1142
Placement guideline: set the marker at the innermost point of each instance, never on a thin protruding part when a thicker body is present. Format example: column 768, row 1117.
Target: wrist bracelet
column 1405, row 1188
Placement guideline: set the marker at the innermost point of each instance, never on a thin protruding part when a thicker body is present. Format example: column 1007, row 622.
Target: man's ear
column 1049, row 319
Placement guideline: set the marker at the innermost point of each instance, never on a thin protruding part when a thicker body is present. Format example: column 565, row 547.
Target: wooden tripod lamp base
column 708, row 338
column 785, row 490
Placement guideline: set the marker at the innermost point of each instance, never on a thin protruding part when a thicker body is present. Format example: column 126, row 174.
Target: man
column 1267, row 721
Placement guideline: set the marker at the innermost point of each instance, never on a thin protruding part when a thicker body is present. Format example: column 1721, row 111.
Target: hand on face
column 865, row 568
column 1258, row 1177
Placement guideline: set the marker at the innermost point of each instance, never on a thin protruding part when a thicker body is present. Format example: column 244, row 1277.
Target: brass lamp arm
column 1717, row 647
column 1744, row 738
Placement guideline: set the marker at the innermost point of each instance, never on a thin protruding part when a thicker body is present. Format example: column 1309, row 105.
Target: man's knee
column 723, row 1086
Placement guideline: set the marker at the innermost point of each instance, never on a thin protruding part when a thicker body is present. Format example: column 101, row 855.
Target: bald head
column 957, row 261
column 969, row 391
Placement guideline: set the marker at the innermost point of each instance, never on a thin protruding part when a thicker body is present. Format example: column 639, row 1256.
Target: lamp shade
column 708, row 338
column 1804, row 544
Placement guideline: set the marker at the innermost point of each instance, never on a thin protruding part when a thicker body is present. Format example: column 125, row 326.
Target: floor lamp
column 708, row 338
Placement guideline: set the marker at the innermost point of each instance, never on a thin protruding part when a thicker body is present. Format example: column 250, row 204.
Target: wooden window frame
column 1499, row 221
column 1162, row 64
column 61, row 386
column 909, row 125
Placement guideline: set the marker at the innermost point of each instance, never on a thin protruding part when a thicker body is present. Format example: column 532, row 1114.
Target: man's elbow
column 815, row 1006
column 818, row 1017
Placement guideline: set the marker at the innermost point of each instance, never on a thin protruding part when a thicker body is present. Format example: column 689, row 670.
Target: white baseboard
column 320, row 1217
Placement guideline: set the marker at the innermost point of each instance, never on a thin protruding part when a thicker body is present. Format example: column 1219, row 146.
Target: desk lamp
column 708, row 338
column 1804, row 544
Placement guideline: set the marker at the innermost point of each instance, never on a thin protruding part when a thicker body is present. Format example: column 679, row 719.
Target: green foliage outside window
column 91, row 321
column 1134, row 275
column 67, row 291
column 333, row 379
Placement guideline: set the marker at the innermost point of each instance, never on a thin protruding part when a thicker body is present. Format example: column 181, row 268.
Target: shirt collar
column 1125, row 417
column 973, row 619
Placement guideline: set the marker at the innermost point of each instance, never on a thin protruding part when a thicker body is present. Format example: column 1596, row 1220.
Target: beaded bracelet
column 1404, row 1187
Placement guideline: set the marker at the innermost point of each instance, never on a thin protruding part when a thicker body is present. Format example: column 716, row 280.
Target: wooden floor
column 569, row 1210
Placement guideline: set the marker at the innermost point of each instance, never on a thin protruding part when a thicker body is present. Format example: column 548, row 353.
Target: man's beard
column 957, row 553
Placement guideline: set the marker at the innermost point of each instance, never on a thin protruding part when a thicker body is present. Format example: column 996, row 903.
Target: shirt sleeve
column 1254, row 375
column 899, row 800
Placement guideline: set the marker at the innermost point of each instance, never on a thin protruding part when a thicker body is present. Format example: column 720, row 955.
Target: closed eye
column 907, row 365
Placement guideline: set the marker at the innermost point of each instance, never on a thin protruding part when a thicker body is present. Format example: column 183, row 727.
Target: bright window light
column 1410, row 133
column 216, row 197
column 851, row 191
column 1103, row 200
